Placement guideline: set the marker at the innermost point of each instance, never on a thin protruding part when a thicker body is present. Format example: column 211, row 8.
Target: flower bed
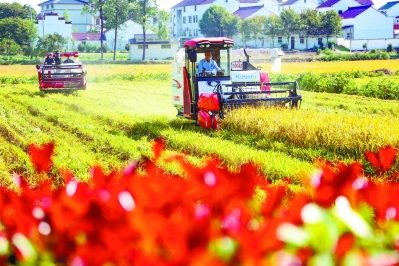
column 144, row 216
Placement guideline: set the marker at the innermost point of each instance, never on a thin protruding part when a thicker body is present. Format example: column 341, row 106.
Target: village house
column 340, row 6
column 298, row 5
column 361, row 22
column 81, row 22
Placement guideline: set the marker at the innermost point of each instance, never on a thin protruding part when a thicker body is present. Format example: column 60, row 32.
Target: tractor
column 207, row 97
column 67, row 74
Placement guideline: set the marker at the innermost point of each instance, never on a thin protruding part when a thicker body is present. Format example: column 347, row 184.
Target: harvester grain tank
column 205, row 96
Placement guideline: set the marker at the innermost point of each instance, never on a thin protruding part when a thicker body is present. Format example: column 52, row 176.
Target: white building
column 92, row 38
column 391, row 9
column 80, row 22
column 299, row 5
column 156, row 49
column 125, row 34
column 50, row 23
column 342, row 5
column 365, row 22
column 186, row 14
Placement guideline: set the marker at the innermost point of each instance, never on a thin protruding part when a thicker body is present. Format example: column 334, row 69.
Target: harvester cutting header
column 203, row 90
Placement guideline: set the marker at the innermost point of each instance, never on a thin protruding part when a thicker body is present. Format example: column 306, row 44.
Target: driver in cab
column 207, row 65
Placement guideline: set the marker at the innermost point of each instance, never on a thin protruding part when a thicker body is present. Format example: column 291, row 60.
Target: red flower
column 41, row 156
column 383, row 160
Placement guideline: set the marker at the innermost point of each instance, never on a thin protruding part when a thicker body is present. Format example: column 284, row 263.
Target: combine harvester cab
column 68, row 74
column 206, row 97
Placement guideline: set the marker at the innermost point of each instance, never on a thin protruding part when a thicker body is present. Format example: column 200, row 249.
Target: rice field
column 287, row 68
column 114, row 122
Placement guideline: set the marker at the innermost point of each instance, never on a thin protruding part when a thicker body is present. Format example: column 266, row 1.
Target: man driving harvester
column 207, row 65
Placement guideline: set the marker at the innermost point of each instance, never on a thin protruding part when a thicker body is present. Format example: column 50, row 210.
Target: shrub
column 318, row 51
column 328, row 51
column 127, row 47
column 81, row 47
column 389, row 48
column 330, row 45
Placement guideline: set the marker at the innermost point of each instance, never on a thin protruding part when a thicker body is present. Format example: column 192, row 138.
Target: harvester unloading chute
column 206, row 98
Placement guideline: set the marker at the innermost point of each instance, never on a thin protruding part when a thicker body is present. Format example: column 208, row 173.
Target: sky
column 163, row 4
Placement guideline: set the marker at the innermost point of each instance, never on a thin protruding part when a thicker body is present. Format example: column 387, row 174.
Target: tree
column 22, row 31
column 116, row 13
column 331, row 24
column 66, row 16
column 141, row 12
column 310, row 24
column 161, row 29
column 94, row 7
column 50, row 42
column 10, row 47
column 272, row 27
column 290, row 23
column 257, row 24
column 16, row 10
column 230, row 25
column 217, row 21
column 244, row 30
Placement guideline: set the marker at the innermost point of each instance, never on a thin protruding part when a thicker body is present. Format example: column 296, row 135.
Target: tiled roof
column 148, row 36
column 86, row 36
column 248, row 1
column 365, row 2
column 193, row 3
column 289, row 2
column 353, row 12
column 64, row 2
column 244, row 12
column 328, row 3
column 388, row 5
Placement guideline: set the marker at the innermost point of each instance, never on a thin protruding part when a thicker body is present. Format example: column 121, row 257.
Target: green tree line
column 18, row 30
column 217, row 21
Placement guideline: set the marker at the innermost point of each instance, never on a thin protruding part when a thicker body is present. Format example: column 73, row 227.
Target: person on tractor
column 207, row 65
column 49, row 59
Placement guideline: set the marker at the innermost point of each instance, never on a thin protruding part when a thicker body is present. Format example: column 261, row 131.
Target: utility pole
column 42, row 21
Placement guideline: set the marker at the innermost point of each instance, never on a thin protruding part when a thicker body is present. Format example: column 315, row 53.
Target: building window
column 190, row 33
column 196, row 32
column 301, row 39
column 195, row 8
column 166, row 46
column 280, row 39
column 184, row 20
column 320, row 41
column 140, row 46
column 190, row 19
column 339, row 12
column 47, row 6
column 97, row 21
column 349, row 35
column 184, row 9
column 304, row 1
column 52, row 5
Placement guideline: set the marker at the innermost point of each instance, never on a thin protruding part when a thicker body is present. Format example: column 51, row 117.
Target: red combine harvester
column 64, row 72
column 206, row 96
